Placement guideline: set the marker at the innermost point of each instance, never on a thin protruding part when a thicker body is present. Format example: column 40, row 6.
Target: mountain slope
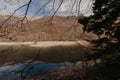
column 59, row 28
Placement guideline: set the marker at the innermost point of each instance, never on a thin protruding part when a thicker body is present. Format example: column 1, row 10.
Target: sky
column 38, row 7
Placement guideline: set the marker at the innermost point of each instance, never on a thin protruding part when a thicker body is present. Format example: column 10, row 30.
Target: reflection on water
column 18, row 71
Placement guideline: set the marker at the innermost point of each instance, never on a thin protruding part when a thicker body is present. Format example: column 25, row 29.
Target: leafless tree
column 9, row 29
column 6, row 32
